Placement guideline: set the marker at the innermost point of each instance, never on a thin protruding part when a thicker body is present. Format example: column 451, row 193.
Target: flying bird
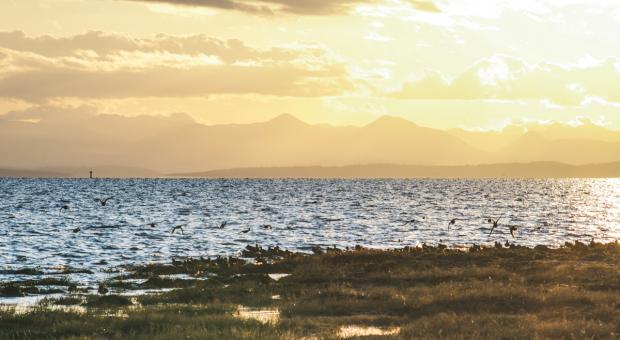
column 452, row 222
column 513, row 228
column 179, row 227
column 103, row 202
column 410, row 221
column 495, row 223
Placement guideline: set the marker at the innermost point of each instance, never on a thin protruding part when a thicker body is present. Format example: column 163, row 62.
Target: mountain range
column 147, row 146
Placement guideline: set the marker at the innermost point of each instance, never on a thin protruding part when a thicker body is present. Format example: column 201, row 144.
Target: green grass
column 521, row 293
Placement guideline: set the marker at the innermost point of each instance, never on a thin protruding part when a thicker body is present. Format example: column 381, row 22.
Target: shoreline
column 569, row 291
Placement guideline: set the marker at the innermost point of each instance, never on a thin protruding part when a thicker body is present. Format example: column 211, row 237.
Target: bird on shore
column 179, row 227
column 495, row 223
column 103, row 202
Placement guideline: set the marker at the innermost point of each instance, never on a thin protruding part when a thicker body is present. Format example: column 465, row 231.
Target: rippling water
column 34, row 232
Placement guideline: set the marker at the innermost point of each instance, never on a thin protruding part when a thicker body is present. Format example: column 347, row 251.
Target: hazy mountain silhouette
column 506, row 170
column 532, row 146
column 177, row 144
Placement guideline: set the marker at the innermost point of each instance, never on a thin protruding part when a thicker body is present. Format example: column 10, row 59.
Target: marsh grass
column 429, row 292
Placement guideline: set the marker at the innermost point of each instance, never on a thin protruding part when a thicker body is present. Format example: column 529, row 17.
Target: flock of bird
column 65, row 207
column 103, row 202
column 493, row 222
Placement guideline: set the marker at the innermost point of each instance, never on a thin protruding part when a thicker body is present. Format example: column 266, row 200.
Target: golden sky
column 453, row 63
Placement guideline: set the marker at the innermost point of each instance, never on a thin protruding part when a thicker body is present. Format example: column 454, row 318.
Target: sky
column 448, row 63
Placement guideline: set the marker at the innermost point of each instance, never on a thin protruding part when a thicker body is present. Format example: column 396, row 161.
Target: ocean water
column 36, row 233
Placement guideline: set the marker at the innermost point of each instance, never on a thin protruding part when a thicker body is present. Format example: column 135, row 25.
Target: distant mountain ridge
column 506, row 170
column 177, row 144
column 500, row 170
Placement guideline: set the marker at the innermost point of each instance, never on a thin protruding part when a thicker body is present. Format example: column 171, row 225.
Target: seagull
column 179, row 227
column 495, row 223
column 223, row 224
column 513, row 228
column 245, row 231
column 104, row 201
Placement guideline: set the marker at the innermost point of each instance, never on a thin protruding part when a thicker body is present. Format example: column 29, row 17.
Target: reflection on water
column 36, row 233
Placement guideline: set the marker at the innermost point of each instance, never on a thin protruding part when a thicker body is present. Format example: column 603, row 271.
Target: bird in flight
column 103, row 202
column 410, row 221
column 513, row 228
column 495, row 223
column 452, row 222
column 179, row 227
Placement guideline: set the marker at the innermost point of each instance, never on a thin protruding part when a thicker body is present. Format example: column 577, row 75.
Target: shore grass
column 430, row 292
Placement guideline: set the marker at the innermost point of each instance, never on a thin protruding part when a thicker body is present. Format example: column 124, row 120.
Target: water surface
column 35, row 233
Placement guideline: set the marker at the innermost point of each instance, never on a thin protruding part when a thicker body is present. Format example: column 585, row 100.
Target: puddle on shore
column 277, row 276
column 28, row 301
column 140, row 292
column 20, row 309
column 352, row 331
column 263, row 315
column 183, row 277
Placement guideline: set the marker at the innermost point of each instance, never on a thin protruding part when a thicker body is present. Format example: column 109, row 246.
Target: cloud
column 304, row 7
column 35, row 86
column 505, row 78
column 52, row 114
column 101, row 43
column 98, row 65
